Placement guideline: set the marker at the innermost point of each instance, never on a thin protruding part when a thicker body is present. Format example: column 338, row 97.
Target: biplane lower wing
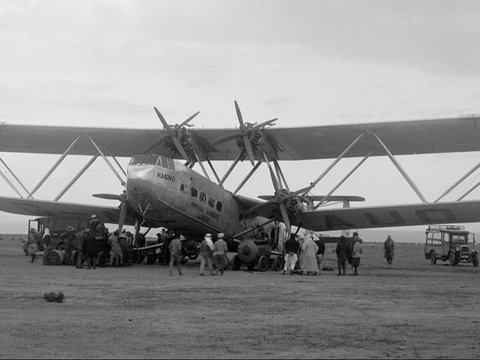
column 63, row 210
column 391, row 216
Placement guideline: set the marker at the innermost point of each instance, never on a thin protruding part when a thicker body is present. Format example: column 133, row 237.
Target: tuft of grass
column 54, row 297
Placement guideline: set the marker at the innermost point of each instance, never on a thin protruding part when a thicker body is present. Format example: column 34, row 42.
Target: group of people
column 307, row 252
column 210, row 252
column 350, row 252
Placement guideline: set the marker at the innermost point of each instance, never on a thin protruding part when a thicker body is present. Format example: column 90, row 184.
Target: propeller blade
column 108, row 196
column 180, row 148
column 239, row 116
column 265, row 123
column 123, row 215
column 248, row 149
column 162, row 119
column 189, row 119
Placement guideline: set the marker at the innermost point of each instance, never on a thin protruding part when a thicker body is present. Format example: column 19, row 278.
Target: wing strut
column 80, row 173
column 314, row 183
column 401, row 170
column 343, row 180
column 49, row 172
column 257, row 165
column 470, row 172
column 14, row 176
column 108, row 162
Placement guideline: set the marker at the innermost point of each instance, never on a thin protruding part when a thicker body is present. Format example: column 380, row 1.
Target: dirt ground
column 409, row 309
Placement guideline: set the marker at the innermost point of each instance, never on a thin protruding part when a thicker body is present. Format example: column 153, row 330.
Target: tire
column 236, row 263
column 262, row 263
column 74, row 257
column 452, row 258
column 102, row 259
column 278, row 263
column 433, row 259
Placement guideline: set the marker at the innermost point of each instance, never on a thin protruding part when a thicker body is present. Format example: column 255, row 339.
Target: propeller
column 172, row 133
column 246, row 129
column 123, row 205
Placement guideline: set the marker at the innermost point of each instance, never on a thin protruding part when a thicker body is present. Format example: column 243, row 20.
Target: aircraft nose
column 139, row 180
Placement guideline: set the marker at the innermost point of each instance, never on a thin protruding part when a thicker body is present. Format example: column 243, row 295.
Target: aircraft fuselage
column 167, row 193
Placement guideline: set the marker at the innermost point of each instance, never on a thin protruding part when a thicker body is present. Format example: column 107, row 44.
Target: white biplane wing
column 64, row 210
column 296, row 143
column 390, row 216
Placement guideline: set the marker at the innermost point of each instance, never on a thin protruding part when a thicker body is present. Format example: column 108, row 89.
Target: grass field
column 404, row 310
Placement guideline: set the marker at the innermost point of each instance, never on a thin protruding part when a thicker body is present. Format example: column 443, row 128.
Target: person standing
column 69, row 238
column 46, row 245
column 356, row 252
column 320, row 254
column 388, row 249
column 116, row 256
column 90, row 248
column 33, row 241
column 291, row 250
column 341, row 251
column 206, row 250
column 176, row 255
column 220, row 253
column 307, row 259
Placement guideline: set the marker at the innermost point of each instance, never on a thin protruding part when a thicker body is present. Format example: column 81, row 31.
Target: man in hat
column 176, row 254
column 97, row 228
column 220, row 253
column 356, row 253
column 206, row 249
column 69, row 238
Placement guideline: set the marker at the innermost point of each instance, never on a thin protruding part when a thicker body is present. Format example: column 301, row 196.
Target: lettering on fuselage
column 202, row 213
column 168, row 177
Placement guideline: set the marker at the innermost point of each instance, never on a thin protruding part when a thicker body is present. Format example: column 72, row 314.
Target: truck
column 450, row 243
column 56, row 226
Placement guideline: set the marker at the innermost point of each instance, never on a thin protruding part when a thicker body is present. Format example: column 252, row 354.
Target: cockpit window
column 152, row 159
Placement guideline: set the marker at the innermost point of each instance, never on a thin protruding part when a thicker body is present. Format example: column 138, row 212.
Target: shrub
column 54, row 297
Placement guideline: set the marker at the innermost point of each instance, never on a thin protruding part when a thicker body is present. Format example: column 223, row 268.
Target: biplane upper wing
column 295, row 143
column 390, row 216
column 45, row 208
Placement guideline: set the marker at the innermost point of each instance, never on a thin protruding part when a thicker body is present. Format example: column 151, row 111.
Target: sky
column 107, row 63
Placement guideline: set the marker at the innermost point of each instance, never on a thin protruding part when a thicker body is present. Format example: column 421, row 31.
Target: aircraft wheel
column 433, row 259
column 74, row 257
column 236, row 263
column 101, row 259
column 262, row 263
column 278, row 263
column 451, row 258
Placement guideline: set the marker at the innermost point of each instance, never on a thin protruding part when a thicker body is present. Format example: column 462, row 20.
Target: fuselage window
column 219, row 206
column 184, row 188
column 211, row 201
column 193, row 192
column 203, row 196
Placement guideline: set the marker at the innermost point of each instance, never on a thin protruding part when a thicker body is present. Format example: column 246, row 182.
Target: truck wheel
column 451, row 258
column 278, row 263
column 433, row 259
column 236, row 263
column 262, row 263
column 101, row 259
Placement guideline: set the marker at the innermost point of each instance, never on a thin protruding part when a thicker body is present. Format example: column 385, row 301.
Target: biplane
column 162, row 188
